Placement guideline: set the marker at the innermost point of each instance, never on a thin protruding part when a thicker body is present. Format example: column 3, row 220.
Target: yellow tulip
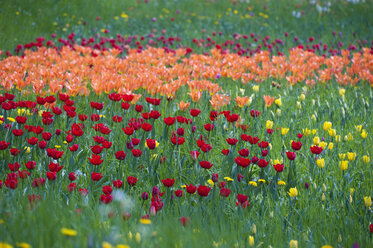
column 255, row 88
column 284, row 131
column 348, row 137
column 27, row 149
column 343, row 165
column 342, row 156
column 316, row 140
column 210, row 182
column 138, row 237
column 364, row 134
column 293, row 192
column 302, row 97
column 323, row 144
column 330, row 146
column 320, row 163
column 278, row 102
column 269, row 124
column 293, row 244
column 306, row 131
column 327, row 125
column 251, row 241
column 278, row 112
column 358, row 128
column 368, row 201
column 338, row 138
column 332, row 132
column 351, row 156
column 352, row 191
column 299, row 105
column 366, row 159
column 342, row 92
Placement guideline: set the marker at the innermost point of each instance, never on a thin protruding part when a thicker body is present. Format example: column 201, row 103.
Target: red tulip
column 232, row 141
column 151, row 143
column 194, row 154
column 291, row 155
column 71, row 187
column 117, row 184
column 96, row 176
column 241, row 198
column 244, row 152
column 96, row 149
column 179, row 193
column 4, row 145
column 107, row 189
column 190, row 188
column 225, row 192
column 203, row 190
column 106, row 199
column 278, row 167
column 195, row 112
column 17, row 132
column 225, row 152
column 120, row 155
column 263, row 144
column 316, row 149
column 153, row 101
column 72, row 176
column 131, row 181
column 296, row 145
column 205, row 164
column 169, row 121
column 96, row 159
column 184, row 220
column 30, row 165
column 51, row 175
column 14, row 167
column 209, row 127
column 136, row 152
column 154, row 114
column 243, row 162
column 128, row 130
column 180, row 131
column 46, row 136
column 146, row 127
column 168, row 182
column 74, row 148
column 262, row 163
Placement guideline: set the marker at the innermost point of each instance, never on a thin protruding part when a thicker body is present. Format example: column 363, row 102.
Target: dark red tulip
column 203, row 190
column 278, row 167
column 168, row 182
column 291, row 155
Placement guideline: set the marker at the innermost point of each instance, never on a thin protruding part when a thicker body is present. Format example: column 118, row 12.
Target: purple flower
column 154, row 19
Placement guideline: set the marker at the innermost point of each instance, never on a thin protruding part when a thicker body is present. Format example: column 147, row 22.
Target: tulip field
column 199, row 123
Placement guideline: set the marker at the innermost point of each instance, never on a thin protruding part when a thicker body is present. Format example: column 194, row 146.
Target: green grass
column 325, row 213
column 23, row 21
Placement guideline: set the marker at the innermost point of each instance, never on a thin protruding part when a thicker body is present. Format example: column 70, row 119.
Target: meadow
column 186, row 123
